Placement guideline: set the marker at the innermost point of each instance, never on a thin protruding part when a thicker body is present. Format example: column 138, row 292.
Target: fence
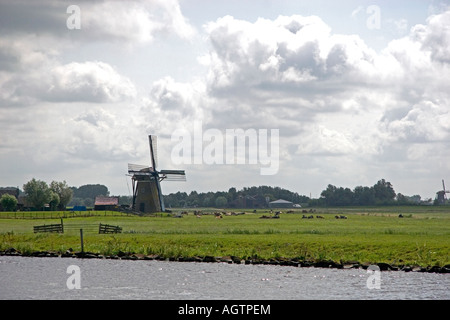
column 60, row 228
column 106, row 228
column 61, row 214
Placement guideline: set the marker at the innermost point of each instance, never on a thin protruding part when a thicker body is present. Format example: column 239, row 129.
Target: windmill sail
column 172, row 175
column 153, row 151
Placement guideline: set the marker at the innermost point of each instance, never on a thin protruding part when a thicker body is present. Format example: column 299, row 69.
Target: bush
column 8, row 202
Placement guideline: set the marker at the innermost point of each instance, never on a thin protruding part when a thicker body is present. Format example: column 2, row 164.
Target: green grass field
column 369, row 235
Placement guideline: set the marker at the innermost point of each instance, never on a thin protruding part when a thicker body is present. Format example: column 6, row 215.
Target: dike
column 231, row 260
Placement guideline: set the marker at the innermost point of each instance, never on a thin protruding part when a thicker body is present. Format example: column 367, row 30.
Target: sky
column 337, row 92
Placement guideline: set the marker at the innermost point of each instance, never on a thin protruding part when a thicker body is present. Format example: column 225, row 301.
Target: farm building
column 106, row 203
column 9, row 190
column 280, row 203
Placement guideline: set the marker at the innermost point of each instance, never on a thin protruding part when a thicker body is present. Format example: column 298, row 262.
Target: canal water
column 25, row 278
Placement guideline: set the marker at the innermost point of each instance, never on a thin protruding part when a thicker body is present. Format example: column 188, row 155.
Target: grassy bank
column 369, row 235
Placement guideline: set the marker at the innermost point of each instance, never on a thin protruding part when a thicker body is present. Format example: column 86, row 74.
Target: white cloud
column 32, row 66
column 171, row 105
column 89, row 81
column 134, row 21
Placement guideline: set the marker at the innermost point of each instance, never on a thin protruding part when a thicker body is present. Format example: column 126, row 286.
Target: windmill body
column 441, row 196
column 147, row 195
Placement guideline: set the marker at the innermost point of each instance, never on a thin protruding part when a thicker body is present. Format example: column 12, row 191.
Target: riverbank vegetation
column 420, row 237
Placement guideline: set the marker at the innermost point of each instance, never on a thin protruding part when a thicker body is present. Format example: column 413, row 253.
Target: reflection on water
column 46, row 278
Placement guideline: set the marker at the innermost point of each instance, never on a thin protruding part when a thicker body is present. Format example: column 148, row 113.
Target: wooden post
column 62, row 225
column 81, row 236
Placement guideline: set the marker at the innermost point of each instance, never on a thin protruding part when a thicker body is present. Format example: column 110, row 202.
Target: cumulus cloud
column 89, row 81
column 133, row 21
column 434, row 37
column 423, row 57
column 171, row 105
column 32, row 48
column 293, row 50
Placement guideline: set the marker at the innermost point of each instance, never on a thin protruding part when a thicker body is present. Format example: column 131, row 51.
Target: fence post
column 81, row 236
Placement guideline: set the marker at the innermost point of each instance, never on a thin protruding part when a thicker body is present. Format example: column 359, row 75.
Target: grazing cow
column 198, row 216
column 400, row 215
column 219, row 217
column 304, row 211
column 270, row 217
column 340, row 217
column 304, row 217
column 320, row 217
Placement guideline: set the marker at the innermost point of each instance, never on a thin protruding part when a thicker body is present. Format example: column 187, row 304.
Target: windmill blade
column 138, row 170
column 153, row 151
column 172, row 175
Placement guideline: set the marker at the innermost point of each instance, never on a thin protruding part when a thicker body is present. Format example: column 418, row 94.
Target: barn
column 280, row 203
column 106, row 203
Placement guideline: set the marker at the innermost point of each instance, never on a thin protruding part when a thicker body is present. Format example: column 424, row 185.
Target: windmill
column 147, row 195
column 441, row 195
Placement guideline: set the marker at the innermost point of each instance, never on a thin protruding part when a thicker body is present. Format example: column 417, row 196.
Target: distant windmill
column 442, row 195
column 147, row 195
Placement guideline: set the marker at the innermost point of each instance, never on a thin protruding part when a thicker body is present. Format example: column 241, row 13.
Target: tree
column 206, row 202
column 232, row 193
column 221, row 202
column 54, row 200
column 329, row 195
column 337, row 196
column 384, row 193
column 37, row 193
column 64, row 192
column 193, row 200
column 364, row 196
column 8, row 202
column 90, row 191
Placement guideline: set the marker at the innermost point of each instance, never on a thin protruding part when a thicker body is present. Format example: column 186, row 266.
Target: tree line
column 59, row 195
column 39, row 194
column 381, row 193
column 222, row 199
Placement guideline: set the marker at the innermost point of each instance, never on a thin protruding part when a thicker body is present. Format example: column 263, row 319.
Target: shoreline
column 291, row 262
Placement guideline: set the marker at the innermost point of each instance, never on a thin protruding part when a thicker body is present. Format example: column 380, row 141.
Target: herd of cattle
column 276, row 214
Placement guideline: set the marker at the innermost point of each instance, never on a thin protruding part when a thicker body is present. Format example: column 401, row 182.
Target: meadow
column 368, row 235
